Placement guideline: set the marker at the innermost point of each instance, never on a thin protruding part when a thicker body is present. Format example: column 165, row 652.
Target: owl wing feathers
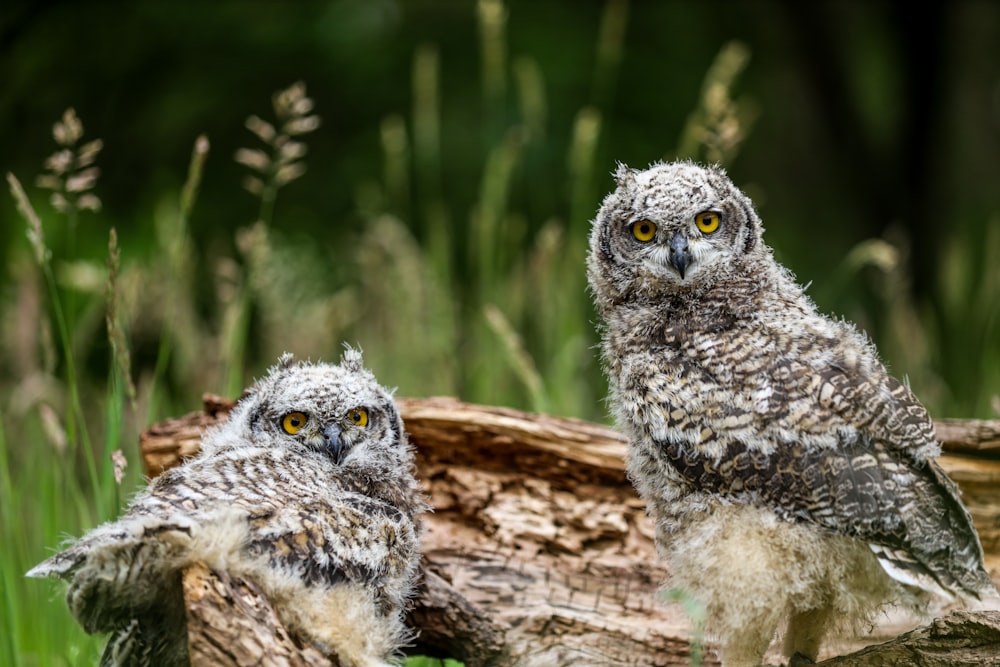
column 126, row 565
column 910, row 514
column 119, row 568
column 878, row 404
column 353, row 540
column 122, row 538
column 326, row 544
column 62, row 565
column 871, row 477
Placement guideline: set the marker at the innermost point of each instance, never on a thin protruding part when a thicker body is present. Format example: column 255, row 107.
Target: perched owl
column 307, row 490
column 788, row 475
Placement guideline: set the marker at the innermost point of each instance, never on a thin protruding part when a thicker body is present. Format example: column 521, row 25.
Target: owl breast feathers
column 787, row 472
column 307, row 490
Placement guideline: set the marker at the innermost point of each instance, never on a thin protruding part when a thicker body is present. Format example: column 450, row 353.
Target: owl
column 307, row 490
column 789, row 476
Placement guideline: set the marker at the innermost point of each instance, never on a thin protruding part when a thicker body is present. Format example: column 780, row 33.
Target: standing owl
column 307, row 490
column 788, row 475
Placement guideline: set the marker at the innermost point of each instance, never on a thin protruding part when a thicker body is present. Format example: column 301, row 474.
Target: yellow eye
column 708, row 221
column 644, row 230
column 359, row 416
column 293, row 422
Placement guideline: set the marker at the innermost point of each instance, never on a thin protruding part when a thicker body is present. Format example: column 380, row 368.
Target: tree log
column 538, row 551
column 960, row 639
column 231, row 624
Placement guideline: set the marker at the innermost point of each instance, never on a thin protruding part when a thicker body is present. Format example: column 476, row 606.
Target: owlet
column 788, row 474
column 307, row 490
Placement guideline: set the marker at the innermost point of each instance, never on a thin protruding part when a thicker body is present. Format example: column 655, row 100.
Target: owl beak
column 680, row 258
column 331, row 437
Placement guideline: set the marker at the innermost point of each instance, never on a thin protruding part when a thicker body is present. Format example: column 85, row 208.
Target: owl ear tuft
column 351, row 359
column 624, row 174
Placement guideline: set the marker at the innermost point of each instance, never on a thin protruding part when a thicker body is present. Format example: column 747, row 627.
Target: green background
column 442, row 221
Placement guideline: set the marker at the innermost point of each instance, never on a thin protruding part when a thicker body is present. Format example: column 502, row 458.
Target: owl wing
column 910, row 514
column 876, row 404
column 127, row 568
column 843, row 450
column 353, row 538
column 119, row 570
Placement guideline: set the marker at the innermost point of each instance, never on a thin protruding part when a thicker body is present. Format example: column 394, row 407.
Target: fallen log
column 538, row 551
column 232, row 624
column 960, row 639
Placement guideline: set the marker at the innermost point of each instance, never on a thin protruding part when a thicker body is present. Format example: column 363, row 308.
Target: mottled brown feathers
column 321, row 513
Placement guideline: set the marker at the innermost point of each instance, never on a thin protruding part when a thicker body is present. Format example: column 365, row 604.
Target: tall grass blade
column 716, row 128
column 610, row 46
column 76, row 431
column 523, row 364
column 174, row 238
column 532, row 102
column 492, row 15
column 695, row 611
column 396, row 149
column 580, row 165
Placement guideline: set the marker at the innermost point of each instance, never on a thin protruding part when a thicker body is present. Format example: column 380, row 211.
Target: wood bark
column 960, row 639
column 538, row 551
column 231, row 624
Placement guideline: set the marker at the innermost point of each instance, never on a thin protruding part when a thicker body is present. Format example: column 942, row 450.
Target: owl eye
column 644, row 230
column 708, row 221
column 359, row 416
column 293, row 422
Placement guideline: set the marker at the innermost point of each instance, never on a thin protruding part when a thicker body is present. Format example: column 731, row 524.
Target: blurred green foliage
column 441, row 221
column 869, row 121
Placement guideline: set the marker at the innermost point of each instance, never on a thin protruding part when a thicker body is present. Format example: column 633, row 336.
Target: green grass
column 481, row 300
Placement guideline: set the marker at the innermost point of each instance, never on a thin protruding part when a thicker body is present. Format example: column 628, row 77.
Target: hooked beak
column 331, row 437
column 680, row 258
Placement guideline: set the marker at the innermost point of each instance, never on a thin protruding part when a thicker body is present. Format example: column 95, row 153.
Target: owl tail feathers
column 971, row 586
column 985, row 596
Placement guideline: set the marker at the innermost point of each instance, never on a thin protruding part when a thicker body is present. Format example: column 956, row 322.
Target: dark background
column 873, row 119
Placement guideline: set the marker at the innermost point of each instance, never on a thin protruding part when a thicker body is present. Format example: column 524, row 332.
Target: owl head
column 671, row 228
column 339, row 411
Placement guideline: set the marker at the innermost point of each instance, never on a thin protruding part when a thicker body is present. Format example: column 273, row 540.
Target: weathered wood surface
column 538, row 551
column 231, row 624
column 960, row 639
